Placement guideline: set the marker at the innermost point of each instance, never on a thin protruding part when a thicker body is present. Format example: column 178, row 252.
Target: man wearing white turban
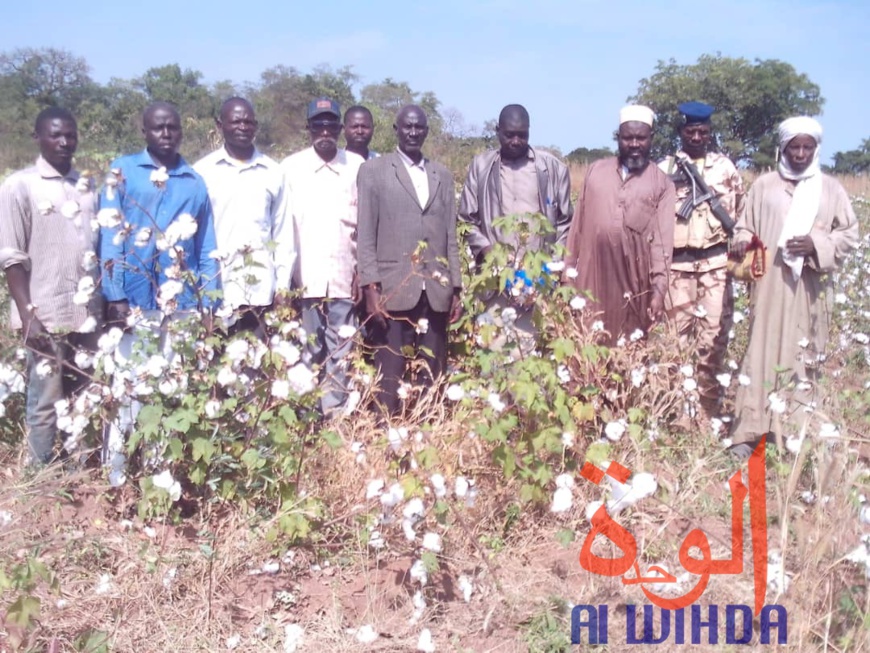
column 805, row 219
column 622, row 233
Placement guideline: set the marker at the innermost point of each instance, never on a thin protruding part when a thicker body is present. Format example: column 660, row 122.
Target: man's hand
column 482, row 254
column 656, row 307
column 36, row 337
column 800, row 246
column 738, row 250
column 455, row 307
column 374, row 305
column 117, row 314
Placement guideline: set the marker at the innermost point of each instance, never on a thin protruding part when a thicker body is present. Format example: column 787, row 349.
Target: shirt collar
column 258, row 159
column 144, row 160
column 48, row 171
column 408, row 162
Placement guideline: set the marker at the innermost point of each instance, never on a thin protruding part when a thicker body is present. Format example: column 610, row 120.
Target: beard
column 635, row 163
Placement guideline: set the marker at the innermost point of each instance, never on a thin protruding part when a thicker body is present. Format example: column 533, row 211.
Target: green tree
column 853, row 162
column 585, row 155
column 751, row 99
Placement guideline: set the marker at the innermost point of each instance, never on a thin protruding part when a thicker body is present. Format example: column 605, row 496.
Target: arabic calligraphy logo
column 705, row 566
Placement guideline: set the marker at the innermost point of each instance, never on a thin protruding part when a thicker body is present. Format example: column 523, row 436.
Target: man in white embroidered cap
column 806, row 217
column 622, row 234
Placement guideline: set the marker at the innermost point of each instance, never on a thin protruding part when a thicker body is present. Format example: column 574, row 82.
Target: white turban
column 807, row 192
column 790, row 128
column 637, row 113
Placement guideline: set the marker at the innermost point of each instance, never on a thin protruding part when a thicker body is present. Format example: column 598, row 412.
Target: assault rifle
column 701, row 193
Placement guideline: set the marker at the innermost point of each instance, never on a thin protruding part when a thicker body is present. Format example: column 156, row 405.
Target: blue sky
column 572, row 63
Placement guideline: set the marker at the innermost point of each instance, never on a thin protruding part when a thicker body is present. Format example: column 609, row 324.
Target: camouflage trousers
column 700, row 305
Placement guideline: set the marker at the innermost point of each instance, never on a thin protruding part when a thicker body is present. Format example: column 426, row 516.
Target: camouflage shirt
column 702, row 229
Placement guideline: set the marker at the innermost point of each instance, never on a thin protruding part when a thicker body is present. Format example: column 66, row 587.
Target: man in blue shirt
column 156, row 241
column 157, row 226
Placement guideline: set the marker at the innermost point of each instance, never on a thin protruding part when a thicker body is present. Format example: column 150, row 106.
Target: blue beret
column 696, row 112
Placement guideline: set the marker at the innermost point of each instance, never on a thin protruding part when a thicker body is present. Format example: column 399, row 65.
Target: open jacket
column 481, row 203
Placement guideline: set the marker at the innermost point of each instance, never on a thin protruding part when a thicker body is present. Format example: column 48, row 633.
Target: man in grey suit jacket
column 518, row 181
column 407, row 255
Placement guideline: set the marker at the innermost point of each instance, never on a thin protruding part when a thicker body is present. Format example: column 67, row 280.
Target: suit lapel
column 404, row 178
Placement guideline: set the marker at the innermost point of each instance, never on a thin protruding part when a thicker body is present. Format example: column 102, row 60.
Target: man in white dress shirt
column 254, row 235
column 321, row 181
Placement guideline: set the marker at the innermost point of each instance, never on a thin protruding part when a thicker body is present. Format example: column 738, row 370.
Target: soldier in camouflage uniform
column 700, row 302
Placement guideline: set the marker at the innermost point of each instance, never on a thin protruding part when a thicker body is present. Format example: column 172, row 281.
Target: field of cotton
column 242, row 522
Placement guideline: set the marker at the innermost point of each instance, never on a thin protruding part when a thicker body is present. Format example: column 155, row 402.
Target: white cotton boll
column 280, row 389
column 562, row 500
column 212, row 408
column 643, row 485
column 422, row 326
column 169, row 290
column 743, row 380
column 439, row 485
column 376, row 541
column 425, row 643
column 226, row 376
column 414, row 509
column 168, row 387
column 418, row 572
column 638, row 376
column 495, row 402
column 404, row 390
column 777, row 403
column 432, row 542
column 567, row 440
column 687, row 371
column 793, row 444
column 393, row 496
column 419, row 602
column 460, row 486
column 621, row 342
column 294, row 635
column 44, row 207
column 289, row 352
column 104, row 585
column 864, row 514
column 109, row 218
column 395, row 438
column 555, row 266
column 346, row 331
column 738, row 317
column 186, row 225
column 301, row 379
column 565, row 481
column 636, row 335
column 375, row 488
column 455, row 392
column 828, row 430
column 159, row 177
column 466, row 587
column 365, row 634
column 577, row 303
column 591, row 508
column 70, row 209
column 143, row 237
column 408, row 530
column 564, row 374
column 597, row 325
column 509, row 315
column 615, row 430
column 690, row 385
column 237, row 350
column 117, row 477
column 234, row 641
column 43, row 368
column 271, row 567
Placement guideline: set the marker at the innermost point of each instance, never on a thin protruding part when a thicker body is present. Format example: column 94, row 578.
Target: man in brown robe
column 806, row 221
column 622, row 236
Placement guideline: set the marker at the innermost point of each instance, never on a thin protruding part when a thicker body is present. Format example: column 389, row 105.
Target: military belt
column 692, row 254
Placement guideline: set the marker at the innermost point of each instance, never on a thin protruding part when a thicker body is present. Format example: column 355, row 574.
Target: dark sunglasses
column 331, row 126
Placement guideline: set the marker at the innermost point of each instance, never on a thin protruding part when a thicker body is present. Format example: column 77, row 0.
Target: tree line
column 751, row 97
